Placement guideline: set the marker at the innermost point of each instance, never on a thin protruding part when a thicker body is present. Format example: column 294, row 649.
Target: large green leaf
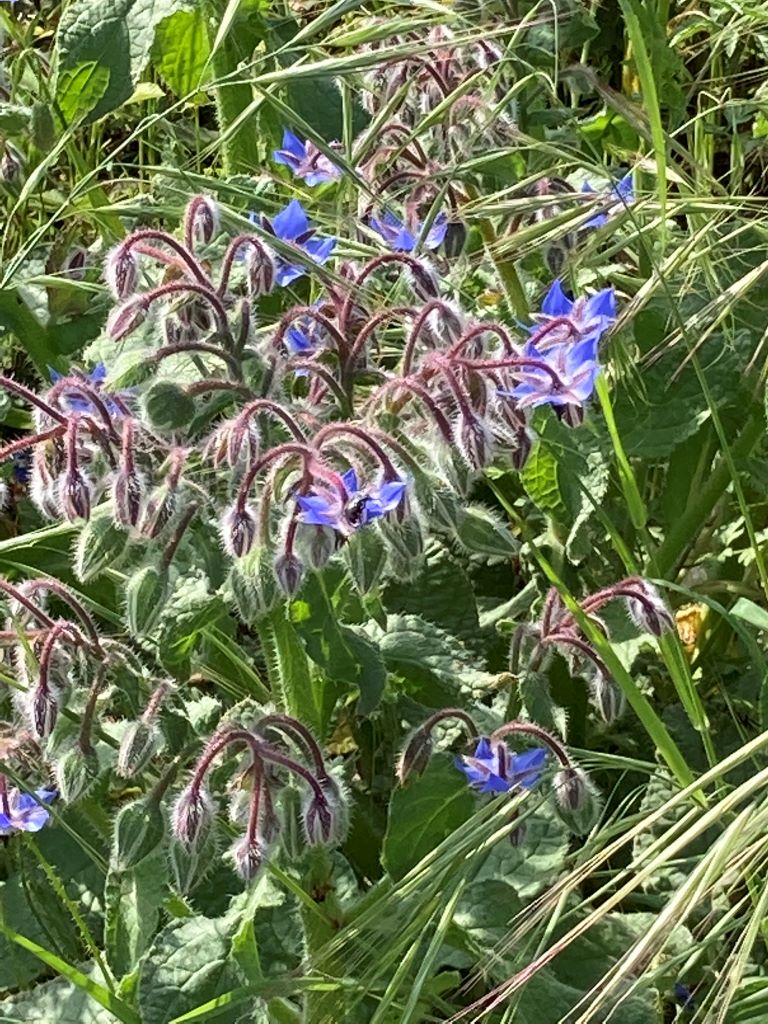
column 190, row 963
column 423, row 814
column 113, row 38
column 181, row 51
column 433, row 665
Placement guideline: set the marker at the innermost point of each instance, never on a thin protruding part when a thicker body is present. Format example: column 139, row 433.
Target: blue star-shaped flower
column 95, row 379
column 328, row 508
column 399, row 238
column 24, row 813
column 577, row 369
column 621, row 195
column 305, row 160
column 497, row 770
column 589, row 316
column 292, row 225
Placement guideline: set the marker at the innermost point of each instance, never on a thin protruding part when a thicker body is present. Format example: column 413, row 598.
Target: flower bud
column 249, row 856
column 43, row 489
column 318, row 821
column 205, row 218
column 44, row 710
column 76, row 770
column 445, row 325
column 139, row 745
column 238, row 530
column 260, row 268
column 121, row 271
column 192, row 816
column 75, row 264
column 607, row 697
column 474, row 441
column 126, row 497
column 455, row 237
column 243, row 443
column 74, row 495
column 415, row 756
column 289, row 573
column 649, row 613
column 123, row 320
column 322, row 542
column 575, row 799
column 424, row 280
column 10, row 166
column 159, row 510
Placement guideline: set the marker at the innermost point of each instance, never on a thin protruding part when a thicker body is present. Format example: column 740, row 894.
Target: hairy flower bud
column 75, row 264
column 325, row 817
column 249, row 856
column 575, row 799
column 321, row 544
column 205, row 218
column 289, row 573
column 74, row 495
column 260, row 270
column 139, row 745
column 124, row 319
column 159, row 510
column 10, row 165
column 415, row 756
column 424, row 280
column 76, row 770
column 474, row 441
column 455, row 238
column 607, row 697
column 648, row 611
column 238, row 530
column 192, row 816
column 43, row 488
column 126, row 497
column 43, row 711
column 121, row 271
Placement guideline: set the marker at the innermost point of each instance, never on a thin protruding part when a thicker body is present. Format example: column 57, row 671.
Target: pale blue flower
column 621, row 195
column 25, row 812
column 497, row 770
column 292, row 225
column 399, row 238
column 305, row 160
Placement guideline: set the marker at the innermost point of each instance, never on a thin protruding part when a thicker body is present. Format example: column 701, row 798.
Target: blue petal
column 349, row 479
column 46, row 795
column 603, row 304
column 495, row 784
column 319, row 248
column 53, row 374
column 6, row 825
column 280, row 156
column 483, row 750
column 297, row 341
column 316, row 177
column 291, row 222
column 586, row 187
column 391, row 494
column 556, row 302
column 579, row 355
column 625, row 189
column 288, row 272
column 292, row 144
column 317, row 510
column 98, row 374
column 597, row 221
column 437, row 232
column 526, row 768
column 32, row 821
column 474, row 774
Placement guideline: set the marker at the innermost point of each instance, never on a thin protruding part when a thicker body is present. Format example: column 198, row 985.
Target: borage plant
column 360, row 697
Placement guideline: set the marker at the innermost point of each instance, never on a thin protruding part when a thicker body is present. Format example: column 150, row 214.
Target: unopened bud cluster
column 277, row 748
